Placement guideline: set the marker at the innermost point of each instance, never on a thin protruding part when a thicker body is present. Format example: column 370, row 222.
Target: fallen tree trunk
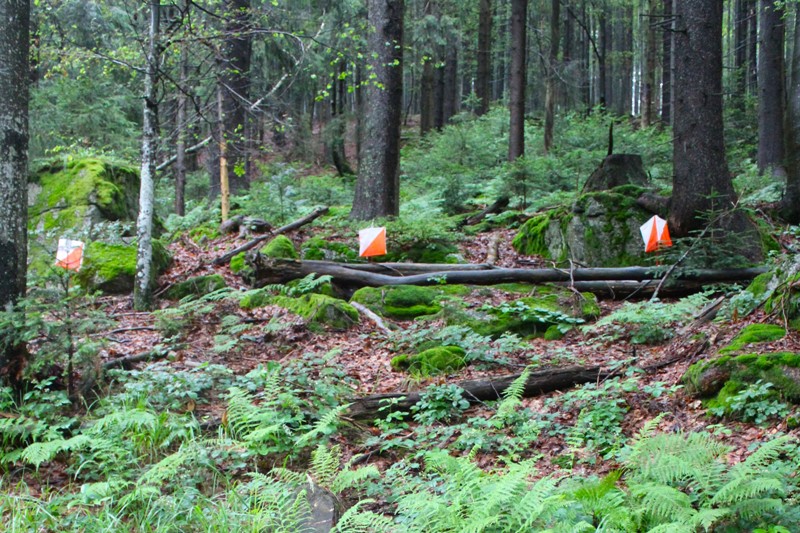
column 481, row 390
column 221, row 260
column 498, row 206
column 266, row 271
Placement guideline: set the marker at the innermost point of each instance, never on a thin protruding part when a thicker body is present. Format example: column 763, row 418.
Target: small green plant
column 756, row 403
column 439, row 403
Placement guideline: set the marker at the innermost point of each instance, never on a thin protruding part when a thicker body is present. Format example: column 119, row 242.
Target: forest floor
column 364, row 351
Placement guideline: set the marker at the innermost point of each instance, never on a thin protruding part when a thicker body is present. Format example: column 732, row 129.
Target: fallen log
column 221, row 260
column 266, row 271
column 497, row 207
column 481, row 390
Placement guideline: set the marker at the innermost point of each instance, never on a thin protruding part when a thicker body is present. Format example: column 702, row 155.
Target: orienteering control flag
column 372, row 241
column 655, row 234
column 69, row 254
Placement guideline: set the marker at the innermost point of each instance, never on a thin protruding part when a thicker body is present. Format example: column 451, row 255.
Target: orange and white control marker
column 655, row 234
column 69, row 254
column 372, row 242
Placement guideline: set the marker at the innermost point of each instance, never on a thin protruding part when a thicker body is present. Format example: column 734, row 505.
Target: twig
column 123, row 330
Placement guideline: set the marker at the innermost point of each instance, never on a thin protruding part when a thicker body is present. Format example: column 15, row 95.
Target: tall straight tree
column 702, row 182
column 516, row 81
column 789, row 206
column 484, row 71
column 14, row 80
column 770, row 88
column 143, row 286
column 666, row 61
column 552, row 63
column 377, row 192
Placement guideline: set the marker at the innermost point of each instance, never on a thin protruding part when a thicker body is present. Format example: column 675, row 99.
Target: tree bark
column 770, row 89
column 740, row 34
column 649, row 74
column 552, row 63
column 377, row 192
column 666, row 68
column 143, row 286
column 235, row 79
column 14, row 97
column 481, row 390
column 702, row 182
column 180, row 144
column 450, row 99
column 789, row 207
column 517, row 77
column 484, row 59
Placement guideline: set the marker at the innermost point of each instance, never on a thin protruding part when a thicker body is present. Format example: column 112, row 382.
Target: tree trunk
column 702, row 182
column 552, row 78
column 649, row 74
column 666, row 69
column 481, row 390
column 268, row 271
column 427, row 95
column 180, row 144
column 484, row 59
column 338, row 126
column 377, row 191
column 770, row 89
column 143, row 286
column 450, row 82
column 789, row 207
column 602, row 56
column 517, row 77
column 14, row 95
column 741, row 14
column 235, row 79
column 752, row 46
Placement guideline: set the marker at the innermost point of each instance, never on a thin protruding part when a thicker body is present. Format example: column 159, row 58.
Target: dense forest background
column 224, row 360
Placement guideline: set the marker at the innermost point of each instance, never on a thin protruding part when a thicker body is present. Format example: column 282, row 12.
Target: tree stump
column 616, row 170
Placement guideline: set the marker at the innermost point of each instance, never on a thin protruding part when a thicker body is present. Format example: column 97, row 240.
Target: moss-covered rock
column 238, row 263
column 281, row 247
column 400, row 301
column 196, row 286
column 256, row 298
column 754, row 334
column 319, row 309
column 320, row 249
column 71, row 193
column 438, row 360
column 111, row 268
column 600, row 229
column 725, row 376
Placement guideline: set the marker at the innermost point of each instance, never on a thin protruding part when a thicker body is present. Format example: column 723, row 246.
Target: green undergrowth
column 430, row 362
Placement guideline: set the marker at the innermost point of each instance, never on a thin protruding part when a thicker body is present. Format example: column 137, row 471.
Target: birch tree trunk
column 142, row 289
column 14, row 66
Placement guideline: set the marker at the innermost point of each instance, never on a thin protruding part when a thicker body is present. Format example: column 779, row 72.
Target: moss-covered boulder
column 400, row 301
column 196, row 286
column 600, row 229
column 281, row 247
column 73, row 193
column 238, row 263
column 754, row 334
column 721, row 378
column 777, row 291
column 550, row 311
column 111, row 268
column 431, row 362
column 321, row 249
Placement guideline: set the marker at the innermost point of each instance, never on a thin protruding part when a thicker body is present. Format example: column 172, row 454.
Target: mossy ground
column 401, row 301
column 318, row 309
column 431, row 362
column 321, row 249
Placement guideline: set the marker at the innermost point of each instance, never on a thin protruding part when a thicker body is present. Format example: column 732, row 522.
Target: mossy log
column 481, row 390
column 266, row 271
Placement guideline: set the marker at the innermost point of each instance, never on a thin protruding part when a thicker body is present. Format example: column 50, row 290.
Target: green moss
column 753, row 334
column 237, row 262
column 319, row 309
column 553, row 333
column 439, row 360
column 281, row 247
column 204, row 232
column 112, row 267
column 320, row 249
column 255, row 299
column 530, row 240
column 758, row 287
column 196, row 286
column 401, row 301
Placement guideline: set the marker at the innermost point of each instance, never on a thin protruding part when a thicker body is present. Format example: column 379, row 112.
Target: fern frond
column 42, row 452
column 354, row 520
column 347, row 479
column 740, row 489
column 166, row 468
column 325, row 464
column 663, row 502
column 707, row 518
column 768, row 453
column 325, row 425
